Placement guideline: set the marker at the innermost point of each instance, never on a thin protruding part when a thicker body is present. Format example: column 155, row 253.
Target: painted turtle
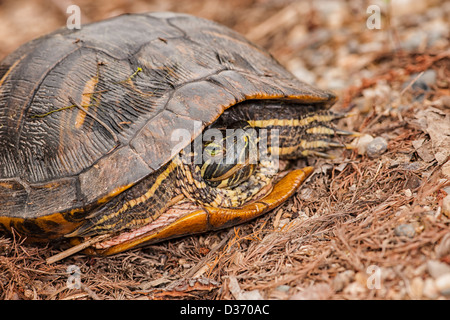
column 101, row 129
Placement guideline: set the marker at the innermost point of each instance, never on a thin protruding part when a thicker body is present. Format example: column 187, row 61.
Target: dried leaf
column 436, row 123
column 320, row 291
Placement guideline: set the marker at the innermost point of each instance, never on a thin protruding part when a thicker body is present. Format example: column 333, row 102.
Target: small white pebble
column 443, row 284
column 362, row 142
column 446, row 206
column 429, row 289
column 408, row 193
column 376, row 147
column 406, row 230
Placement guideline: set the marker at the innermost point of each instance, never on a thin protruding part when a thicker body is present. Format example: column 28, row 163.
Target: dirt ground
column 370, row 224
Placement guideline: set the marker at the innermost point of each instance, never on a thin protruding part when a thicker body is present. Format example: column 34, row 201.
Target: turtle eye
column 213, row 149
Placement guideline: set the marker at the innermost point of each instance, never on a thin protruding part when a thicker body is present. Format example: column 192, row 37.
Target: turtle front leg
column 212, row 218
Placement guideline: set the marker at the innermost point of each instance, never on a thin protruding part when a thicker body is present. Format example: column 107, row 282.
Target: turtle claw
column 347, row 133
column 325, row 130
column 315, row 153
column 350, row 147
column 347, row 146
column 315, row 148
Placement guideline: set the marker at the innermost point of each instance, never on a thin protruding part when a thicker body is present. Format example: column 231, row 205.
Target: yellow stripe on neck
column 291, row 122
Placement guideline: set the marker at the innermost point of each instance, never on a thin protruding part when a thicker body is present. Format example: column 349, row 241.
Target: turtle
column 150, row 126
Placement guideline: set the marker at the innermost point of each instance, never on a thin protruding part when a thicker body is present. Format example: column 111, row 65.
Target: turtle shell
column 86, row 114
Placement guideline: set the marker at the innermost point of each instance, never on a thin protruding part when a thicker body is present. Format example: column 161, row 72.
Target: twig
column 77, row 248
column 202, row 262
column 91, row 293
column 411, row 83
column 285, row 17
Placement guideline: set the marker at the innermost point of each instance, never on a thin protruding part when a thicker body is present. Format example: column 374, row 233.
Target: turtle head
column 230, row 156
